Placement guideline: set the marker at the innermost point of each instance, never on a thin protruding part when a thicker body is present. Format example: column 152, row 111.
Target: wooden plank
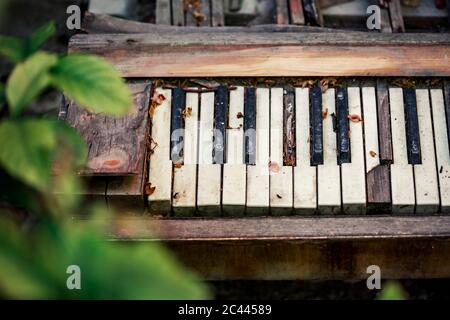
column 288, row 55
column 258, row 196
column 234, row 170
column 289, row 228
column 328, row 174
column 384, row 122
column 163, row 15
column 209, row 174
column 282, row 16
column 377, row 175
column 305, row 175
column 116, row 145
column 101, row 23
column 296, row 12
column 281, row 188
column 353, row 173
column 217, row 14
column 395, row 11
column 178, row 13
column 425, row 175
column 184, row 191
column 402, row 182
column 442, row 148
column 342, row 260
column 160, row 169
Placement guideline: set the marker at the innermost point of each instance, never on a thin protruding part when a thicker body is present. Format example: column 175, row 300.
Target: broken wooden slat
column 163, row 15
column 296, row 12
column 217, row 15
column 116, row 145
column 262, row 54
column 105, row 24
column 282, row 16
column 384, row 122
column 395, row 11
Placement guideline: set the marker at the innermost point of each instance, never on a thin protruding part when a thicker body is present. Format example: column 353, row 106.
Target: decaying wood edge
column 279, row 228
column 103, row 23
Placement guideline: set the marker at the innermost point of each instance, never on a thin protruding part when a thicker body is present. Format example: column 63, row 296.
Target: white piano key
column 328, row 174
column 184, row 190
column 402, row 182
column 209, row 174
column 442, row 149
column 234, row 170
column 353, row 173
column 258, row 198
column 281, row 195
column 160, row 168
column 305, row 175
column 370, row 128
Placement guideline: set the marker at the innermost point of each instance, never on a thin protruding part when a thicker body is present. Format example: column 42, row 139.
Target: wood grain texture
column 395, row 12
column 262, row 54
column 116, row 146
column 286, row 228
column 384, row 122
column 102, row 23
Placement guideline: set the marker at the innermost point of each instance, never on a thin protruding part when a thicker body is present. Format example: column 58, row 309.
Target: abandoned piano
column 283, row 155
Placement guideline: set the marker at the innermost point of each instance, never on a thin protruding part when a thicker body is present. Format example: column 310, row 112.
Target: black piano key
column 447, row 105
column 220, row 124
column 342, row 126
column 310, row 9
column 176, row 125
column 289, row 144
column 412, row 126
column 250, row 125
column 316, row 125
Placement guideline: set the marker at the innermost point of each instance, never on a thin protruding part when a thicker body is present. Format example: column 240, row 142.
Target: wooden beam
column 321, row 260
column 102, row 23
column 283, row 228
column 267, row 54
column 395, row 11
column 117, row 146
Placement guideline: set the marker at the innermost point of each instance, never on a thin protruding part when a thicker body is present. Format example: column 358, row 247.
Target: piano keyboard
column 279, row 151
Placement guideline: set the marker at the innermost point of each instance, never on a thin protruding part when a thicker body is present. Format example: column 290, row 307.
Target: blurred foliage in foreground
column 392, row 290
column 38, row 239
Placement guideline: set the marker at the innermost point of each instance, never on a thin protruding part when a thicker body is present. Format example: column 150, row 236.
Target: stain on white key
column 234, row 170
column 160, row 168
column 402, row 182
column 425, row 176
column 281, row 196
column 184, row 177
column 328, row 174
column 353, row 173
column 442, row 149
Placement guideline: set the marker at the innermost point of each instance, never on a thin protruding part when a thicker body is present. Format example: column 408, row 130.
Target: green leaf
column 40, row 36
column 13, row 48
column 93, row 83
column 2, row 94
column 28, row 80
column 29, row 147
